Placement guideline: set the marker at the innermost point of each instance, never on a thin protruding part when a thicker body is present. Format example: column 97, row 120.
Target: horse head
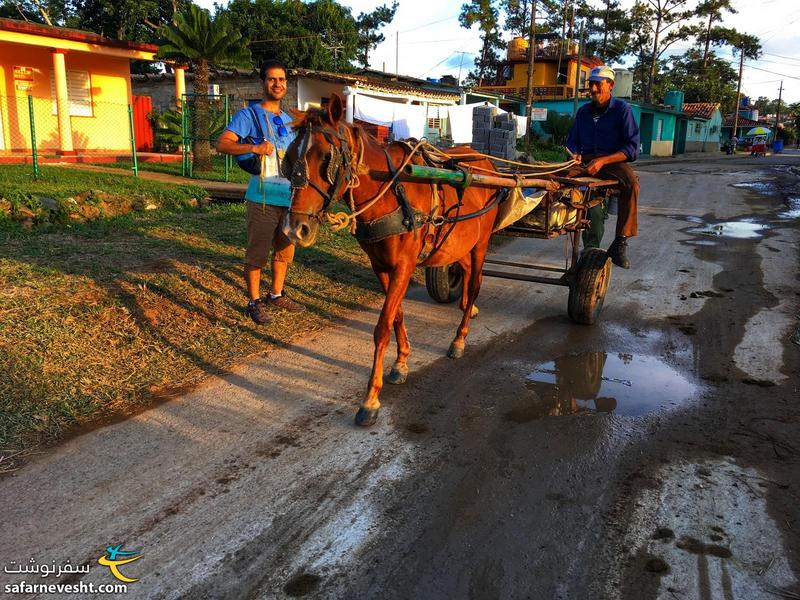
column 321, row 164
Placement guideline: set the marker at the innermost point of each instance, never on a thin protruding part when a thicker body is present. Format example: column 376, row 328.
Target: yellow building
column 554, row 70
column 79, row 83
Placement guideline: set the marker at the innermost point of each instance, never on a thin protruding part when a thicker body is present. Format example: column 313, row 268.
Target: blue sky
column 432, row 43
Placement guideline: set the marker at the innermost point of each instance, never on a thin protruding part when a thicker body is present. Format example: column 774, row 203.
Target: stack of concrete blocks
column 482, row 119
column 494, row 134
column 503, row 138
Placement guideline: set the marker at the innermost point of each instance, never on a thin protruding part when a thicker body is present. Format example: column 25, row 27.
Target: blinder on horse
column 340, row 171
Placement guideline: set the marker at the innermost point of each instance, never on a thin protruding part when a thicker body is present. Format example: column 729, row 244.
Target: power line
column 431, row 23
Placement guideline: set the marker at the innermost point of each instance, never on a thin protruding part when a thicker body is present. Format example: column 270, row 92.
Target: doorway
column 646, row 132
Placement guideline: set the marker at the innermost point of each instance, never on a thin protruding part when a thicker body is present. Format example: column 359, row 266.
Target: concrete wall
column 104, row 128
column 242, row 89
column 704, row 135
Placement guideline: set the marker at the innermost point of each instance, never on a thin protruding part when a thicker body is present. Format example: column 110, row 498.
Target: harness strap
column 400, row 192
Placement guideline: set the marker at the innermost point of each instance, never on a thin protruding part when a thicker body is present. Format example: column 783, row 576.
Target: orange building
column 79, row 84
column 554, row 70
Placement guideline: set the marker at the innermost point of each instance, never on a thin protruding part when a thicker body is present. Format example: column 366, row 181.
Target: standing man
column 267, row 201
column 605, row 138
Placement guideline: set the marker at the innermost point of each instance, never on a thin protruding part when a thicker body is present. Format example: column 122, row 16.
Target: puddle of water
column 740, row 230
column 702, row 243
column 623, row 384
column 762, row 187
column 794, row 209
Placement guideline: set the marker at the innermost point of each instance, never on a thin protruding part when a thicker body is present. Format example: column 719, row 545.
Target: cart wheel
column 588, row 288
column 444, row 284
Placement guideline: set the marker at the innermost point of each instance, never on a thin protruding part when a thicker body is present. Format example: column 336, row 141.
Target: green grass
column 102, row 318
column 544, row 151
column 72, row 188
column 236, row 175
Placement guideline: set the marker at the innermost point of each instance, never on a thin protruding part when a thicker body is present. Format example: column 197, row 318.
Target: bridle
column 341, row 171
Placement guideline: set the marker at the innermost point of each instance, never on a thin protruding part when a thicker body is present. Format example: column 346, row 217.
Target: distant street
column 653, row 455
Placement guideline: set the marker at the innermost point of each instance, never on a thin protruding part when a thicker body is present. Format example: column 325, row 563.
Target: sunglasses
column 282, row 131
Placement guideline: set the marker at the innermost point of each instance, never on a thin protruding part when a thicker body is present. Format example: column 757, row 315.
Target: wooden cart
column 587, row 274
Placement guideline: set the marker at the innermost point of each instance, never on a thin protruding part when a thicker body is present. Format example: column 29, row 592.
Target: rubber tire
column 445, row 284
column 589, row 286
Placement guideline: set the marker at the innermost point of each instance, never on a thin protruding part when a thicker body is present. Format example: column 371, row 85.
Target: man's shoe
column 285, row 303
column 617, row 252
column 257, row 310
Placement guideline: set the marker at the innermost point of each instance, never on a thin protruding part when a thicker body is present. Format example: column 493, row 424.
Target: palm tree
column 197, row 39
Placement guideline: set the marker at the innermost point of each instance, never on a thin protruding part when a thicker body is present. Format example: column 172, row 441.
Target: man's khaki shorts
column 264, row 235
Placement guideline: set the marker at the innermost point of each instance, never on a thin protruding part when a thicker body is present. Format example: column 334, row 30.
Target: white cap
column 600, row 73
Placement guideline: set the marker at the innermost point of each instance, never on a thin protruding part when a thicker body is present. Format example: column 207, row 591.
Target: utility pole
column 460, row 62
column 778, row 112
column 578, row 74
column 397, row 54
column 531, row 55
column 738, row 91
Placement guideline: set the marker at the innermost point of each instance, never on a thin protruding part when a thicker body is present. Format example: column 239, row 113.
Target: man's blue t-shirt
column 276, row 190
column 605, row 131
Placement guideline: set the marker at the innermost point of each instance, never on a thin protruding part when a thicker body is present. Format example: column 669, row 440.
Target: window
column 659, row 130
column 697, row 127
column 583, row 79
column 79, row 90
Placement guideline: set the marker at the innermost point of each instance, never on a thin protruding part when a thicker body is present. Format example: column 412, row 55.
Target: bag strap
column 275, row 140
column 257, row 122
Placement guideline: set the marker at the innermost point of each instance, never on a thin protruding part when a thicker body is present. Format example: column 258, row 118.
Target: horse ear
column 335, row 109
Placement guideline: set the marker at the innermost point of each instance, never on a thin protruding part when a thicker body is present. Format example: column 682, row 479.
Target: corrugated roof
column 387, row 84
column 75, row 35
column 703, row 110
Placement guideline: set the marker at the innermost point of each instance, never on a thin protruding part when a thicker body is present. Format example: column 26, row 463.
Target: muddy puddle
column 745, row 229
column 762, row 187
column 792, row 209
column 600, row 382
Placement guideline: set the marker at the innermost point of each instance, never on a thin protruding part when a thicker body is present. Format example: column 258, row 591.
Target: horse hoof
column 398, row 375
column 366, row 417
column 474, row 312
column 455, row 351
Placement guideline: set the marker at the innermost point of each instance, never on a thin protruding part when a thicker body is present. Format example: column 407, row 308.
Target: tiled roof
column 727, row 121
column 703, row 110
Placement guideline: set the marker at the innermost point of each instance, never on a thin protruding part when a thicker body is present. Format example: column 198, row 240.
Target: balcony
column 540, row 92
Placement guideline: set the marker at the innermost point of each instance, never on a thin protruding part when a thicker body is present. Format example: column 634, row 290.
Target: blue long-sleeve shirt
column 605, row 131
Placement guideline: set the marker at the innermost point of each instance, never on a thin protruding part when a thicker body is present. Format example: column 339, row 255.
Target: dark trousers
column 628, row 203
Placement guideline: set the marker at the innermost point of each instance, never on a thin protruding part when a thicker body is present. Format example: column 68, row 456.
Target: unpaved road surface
column 654, row 455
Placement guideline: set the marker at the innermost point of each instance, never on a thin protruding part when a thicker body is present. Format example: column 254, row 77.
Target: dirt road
column 654, row 455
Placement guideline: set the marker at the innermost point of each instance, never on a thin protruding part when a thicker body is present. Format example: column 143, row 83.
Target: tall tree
column 320, row 35
column 517, row 15
column 712, row 9
column 485, row 14
column 202, row 42
column 664, row 26
column 611, row 31
column 702, row 80
column 369, row 35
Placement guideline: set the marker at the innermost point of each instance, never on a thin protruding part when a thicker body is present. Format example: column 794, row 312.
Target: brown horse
column 330, row 160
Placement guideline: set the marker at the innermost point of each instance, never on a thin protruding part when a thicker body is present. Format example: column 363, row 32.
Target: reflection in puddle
column 623, row 384
column 794, row 209
column 741, row 230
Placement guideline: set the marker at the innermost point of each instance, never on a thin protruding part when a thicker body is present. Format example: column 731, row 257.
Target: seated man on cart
column 604, row 138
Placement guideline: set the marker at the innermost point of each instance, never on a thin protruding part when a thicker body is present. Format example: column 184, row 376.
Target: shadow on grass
column 144, row 303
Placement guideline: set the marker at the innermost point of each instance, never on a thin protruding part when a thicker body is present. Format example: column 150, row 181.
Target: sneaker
column 617, row 252
column 257, row 310
column 284, row 302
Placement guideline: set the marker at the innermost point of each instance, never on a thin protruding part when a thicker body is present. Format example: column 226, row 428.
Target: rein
column 342, row 173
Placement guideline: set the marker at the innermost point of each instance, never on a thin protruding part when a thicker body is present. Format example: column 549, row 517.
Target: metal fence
column 37, row 130
column 203, row 119
column 180, row 141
